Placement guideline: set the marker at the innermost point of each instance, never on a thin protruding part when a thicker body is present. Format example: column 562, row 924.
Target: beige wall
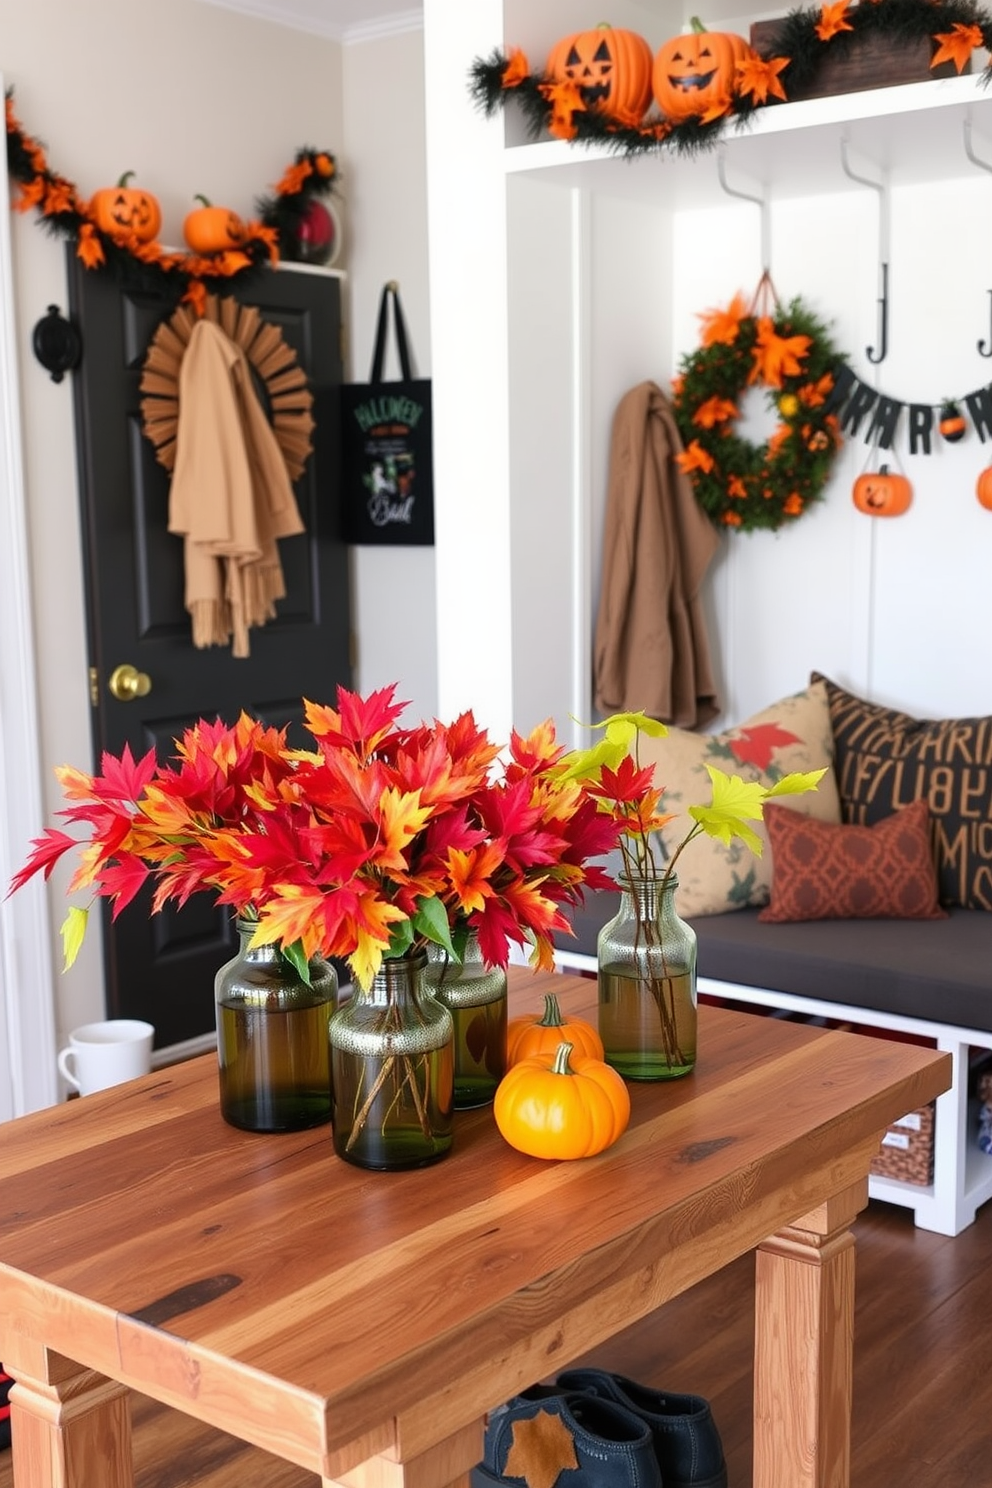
column 194, row 98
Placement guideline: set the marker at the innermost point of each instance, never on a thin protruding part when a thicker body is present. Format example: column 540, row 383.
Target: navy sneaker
column 686, row 1440
column 5, row 1384
column 546, row 1439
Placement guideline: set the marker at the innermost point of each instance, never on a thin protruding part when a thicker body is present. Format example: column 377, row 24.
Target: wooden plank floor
column 923, row 1386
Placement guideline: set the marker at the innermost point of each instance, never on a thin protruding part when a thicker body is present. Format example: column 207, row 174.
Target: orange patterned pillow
column 825, row 872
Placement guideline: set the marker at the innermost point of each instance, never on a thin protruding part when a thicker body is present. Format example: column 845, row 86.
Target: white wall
column 194, row 98
column 385, row 210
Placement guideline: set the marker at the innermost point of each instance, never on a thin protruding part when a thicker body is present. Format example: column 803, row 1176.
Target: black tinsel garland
column 898, row 21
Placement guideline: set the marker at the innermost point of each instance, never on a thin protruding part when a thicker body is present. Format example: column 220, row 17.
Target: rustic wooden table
column 361, row 1324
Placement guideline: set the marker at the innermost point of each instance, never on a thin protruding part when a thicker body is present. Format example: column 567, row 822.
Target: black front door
column 162, row 967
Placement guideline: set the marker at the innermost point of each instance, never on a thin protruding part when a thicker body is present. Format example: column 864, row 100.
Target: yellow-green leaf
column 797, row 782
column 735, row 802
column 73, row 931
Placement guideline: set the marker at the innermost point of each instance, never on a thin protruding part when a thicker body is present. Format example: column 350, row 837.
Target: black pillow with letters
column 885, row 759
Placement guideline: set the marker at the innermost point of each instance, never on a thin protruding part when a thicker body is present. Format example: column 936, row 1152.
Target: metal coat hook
column 873, row 355
column 759, row 201
column 986, row 166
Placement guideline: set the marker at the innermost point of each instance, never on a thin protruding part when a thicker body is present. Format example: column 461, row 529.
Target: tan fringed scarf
column 231, row 496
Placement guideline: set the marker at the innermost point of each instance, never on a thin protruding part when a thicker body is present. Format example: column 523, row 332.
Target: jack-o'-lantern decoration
column 611, row 68
column 695, row 73
column 124, row 211
column 983, row 488
column 882, row 493
column 210, row 229
column 951, row 423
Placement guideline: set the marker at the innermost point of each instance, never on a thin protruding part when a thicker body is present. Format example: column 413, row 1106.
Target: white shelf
column 914, row 132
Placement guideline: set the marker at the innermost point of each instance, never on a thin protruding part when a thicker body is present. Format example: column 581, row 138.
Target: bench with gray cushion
column 925, row 978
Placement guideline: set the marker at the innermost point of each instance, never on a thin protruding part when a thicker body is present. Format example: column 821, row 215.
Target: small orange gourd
column 564, row 1105
column 983, row 488
column 611, row 67
column 123, row 211
column 882, row 493
column 694, row 72
column 531, row 1035
column 210, row 229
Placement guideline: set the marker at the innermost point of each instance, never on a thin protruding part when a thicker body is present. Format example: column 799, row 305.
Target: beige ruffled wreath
column 273, row 360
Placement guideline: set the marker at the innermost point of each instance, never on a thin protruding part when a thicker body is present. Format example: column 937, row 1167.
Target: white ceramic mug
column 102, row 1054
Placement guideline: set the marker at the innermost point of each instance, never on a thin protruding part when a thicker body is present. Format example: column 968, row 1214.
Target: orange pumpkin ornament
column 124, row 211
column 564, row 1105
column 529, row 1036
column 983, row 488
column 696, row 73
column 610, row 67
column 882, row 493
column 951, row 425
column 210, row 229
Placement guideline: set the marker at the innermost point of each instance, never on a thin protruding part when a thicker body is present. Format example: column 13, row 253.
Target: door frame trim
column 27, row 991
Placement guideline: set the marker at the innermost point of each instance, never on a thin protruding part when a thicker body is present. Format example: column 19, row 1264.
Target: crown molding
column 300, row 15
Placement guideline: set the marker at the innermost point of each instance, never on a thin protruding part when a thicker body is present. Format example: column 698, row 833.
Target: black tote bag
column 387, row 459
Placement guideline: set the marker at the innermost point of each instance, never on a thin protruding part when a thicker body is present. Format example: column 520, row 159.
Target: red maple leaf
column 757, row 745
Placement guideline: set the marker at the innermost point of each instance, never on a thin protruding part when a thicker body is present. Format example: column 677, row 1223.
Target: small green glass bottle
column 475, row 995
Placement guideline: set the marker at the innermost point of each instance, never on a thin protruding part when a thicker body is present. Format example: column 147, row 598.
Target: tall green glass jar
column 475, row 995
column 392, row 1070
column 273, row 1060
column 646, row 960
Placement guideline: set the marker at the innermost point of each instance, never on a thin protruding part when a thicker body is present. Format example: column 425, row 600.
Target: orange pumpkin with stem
column 533, row 1034
column 210, row 229
column 563, row 1105
column 882, row 493
column 124, row 211
column 611, row 67
column 696, row 72
column 983, row 488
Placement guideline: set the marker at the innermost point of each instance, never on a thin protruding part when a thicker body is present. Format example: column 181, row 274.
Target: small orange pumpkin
column 951, row 425
column 530, row 1035
column 696, row 72
column 882, row 493
column 563, row 1105
column 124, row 211
column 611, row 67
column 210, row 229
column 983, row 488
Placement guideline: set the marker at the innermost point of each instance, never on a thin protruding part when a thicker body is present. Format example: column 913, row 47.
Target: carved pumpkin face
column 122, row 211
column 695, row 72
column 612, row 68
column 882, row 493
column 210, row 229
column 983, row 489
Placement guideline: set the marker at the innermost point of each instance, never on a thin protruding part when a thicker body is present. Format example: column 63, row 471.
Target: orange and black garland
column 787, row 353
column 801, row 44
column 142, row 265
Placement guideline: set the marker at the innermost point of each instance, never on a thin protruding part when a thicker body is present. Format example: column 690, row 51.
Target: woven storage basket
column 906, row 1152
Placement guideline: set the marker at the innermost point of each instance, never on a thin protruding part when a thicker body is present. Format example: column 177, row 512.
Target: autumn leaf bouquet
column 648, row 952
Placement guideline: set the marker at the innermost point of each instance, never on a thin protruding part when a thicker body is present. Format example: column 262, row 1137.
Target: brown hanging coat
column 231, row 496
column 651, row 652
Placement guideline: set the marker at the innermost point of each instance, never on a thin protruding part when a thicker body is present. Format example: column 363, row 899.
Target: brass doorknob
column 127, row 683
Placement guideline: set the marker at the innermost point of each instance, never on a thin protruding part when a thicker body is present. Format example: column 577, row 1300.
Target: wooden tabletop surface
column 328, row 1313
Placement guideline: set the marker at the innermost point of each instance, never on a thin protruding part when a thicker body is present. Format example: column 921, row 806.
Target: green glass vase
column 392, row 1071
column 646, row 959
column 273, row 1060
column 475, row 995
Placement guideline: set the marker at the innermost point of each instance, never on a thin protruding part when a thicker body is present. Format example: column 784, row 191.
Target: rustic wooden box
column 871, row 62
column 906, row 1152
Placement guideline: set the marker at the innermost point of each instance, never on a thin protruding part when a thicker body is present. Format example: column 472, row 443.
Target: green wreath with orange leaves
column 788, row 354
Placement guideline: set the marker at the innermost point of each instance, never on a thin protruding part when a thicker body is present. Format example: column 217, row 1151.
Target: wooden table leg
column 71, row 1427
column 803, row 1351
column 444, row 1463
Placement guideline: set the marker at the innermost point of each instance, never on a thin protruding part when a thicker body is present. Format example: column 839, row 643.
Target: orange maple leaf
column 815, row 393
column 516, row 70
column 32, row 194
column 736, row 487
column 59, row 197
column 776, row 356
column 721, row 327
column 832, row 19
column 89, row 248
column 760, row 77
column 694, row 457
column 565, row 99
column 714, row 411
column 793, row 504
column 777, row 438
column 731, row 519
column 957, row 45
